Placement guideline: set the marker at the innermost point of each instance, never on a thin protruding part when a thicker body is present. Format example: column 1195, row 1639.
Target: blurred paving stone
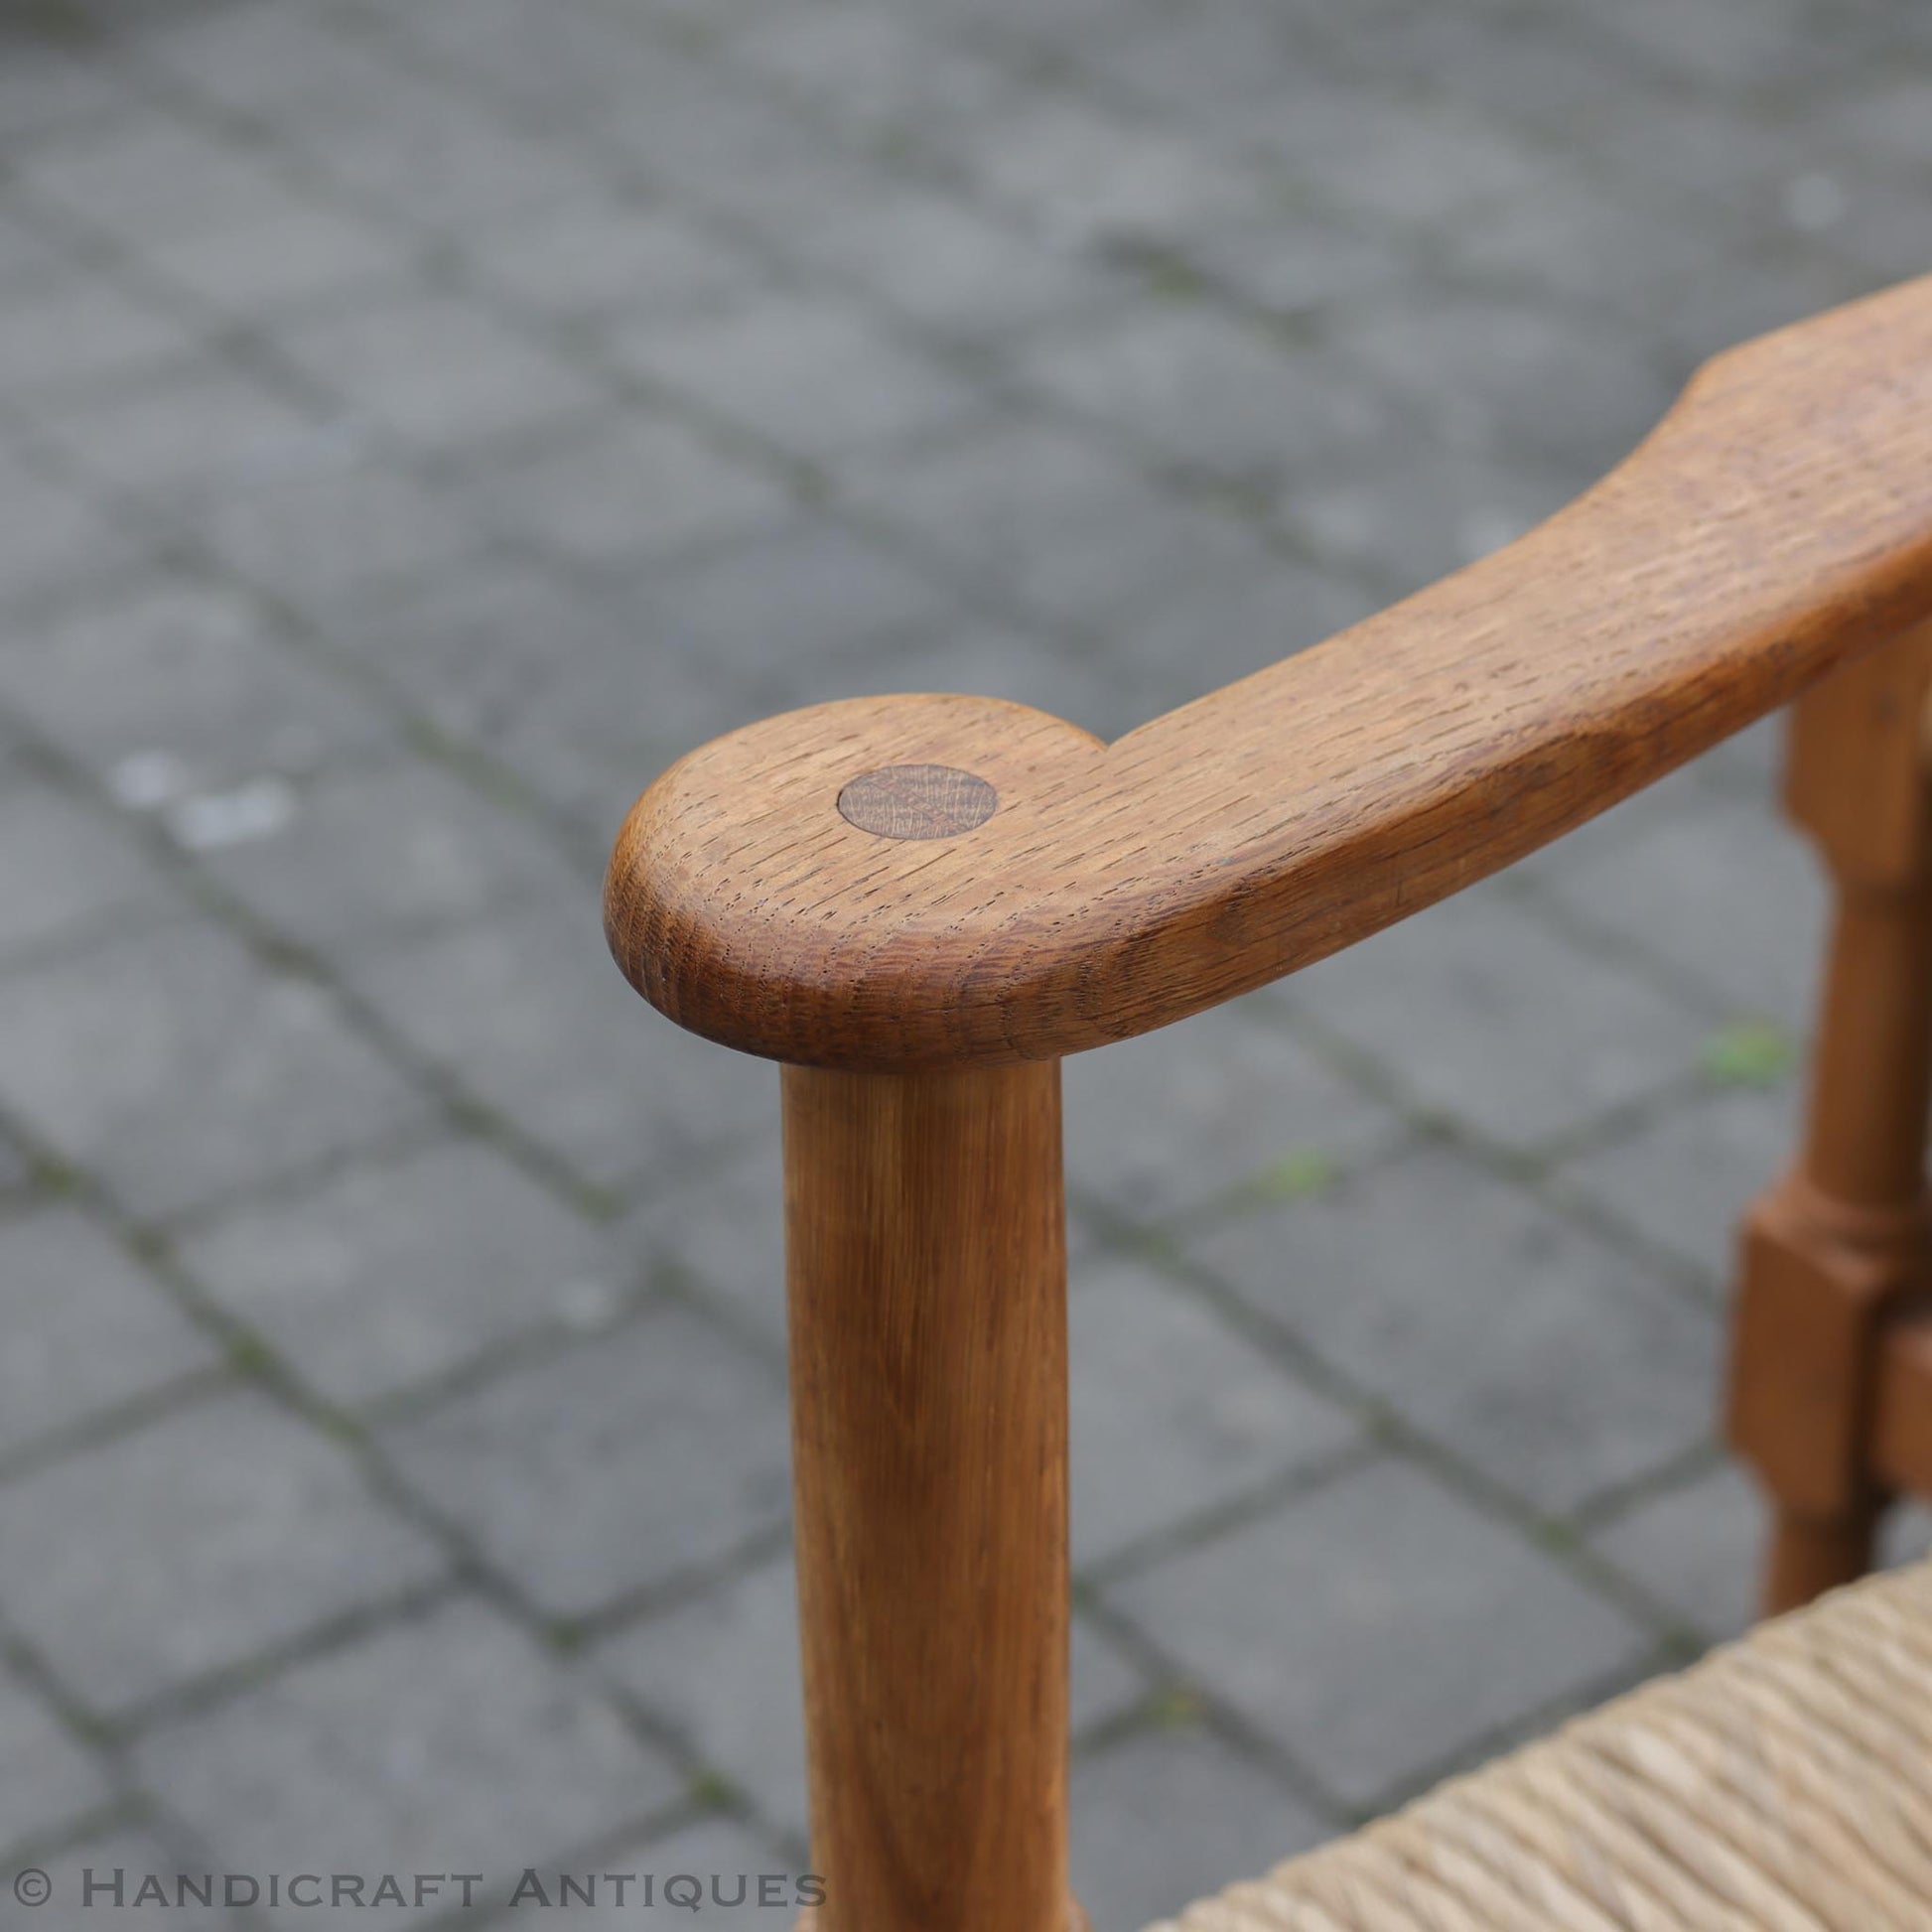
column 1293, row 271
column 630, row 488
column 1490, row 375
column 395, row 1273
column 1485, row 1015
column 447, row 161
column 53, row 537
column 1167, row 1816
column 215, row 1535
column 1686, row 1179
column 1555, row 1365
column 337, row 534
column 448, row 1742
column 1698, row 1548
column 47, row 1781
column 723, row 1670
column 1174, row 1414
column 1051, row 516
column 1432, row 511
column 1086, row 177
column 86, row 1330
column 609, row 1467
column 601, row 258
column 810, row 591
column 84, row 328
column 271, row 265
column 373, row 857
column 179, row 1071
column 1462, row 1626
column 441, row 374
column 812, row 375
column 940, row 261
column 153, row 173
column 724, row 1223
column 204, row 431
column 525, row 1010
column 1216, row 394
column 189, row 678
column 1179, row 1117
column 67, row 872
column 1720, row 886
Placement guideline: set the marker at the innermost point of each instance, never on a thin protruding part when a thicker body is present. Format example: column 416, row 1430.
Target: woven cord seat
column 1782, row 1785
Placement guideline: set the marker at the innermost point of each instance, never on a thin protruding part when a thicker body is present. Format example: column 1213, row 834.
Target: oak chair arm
column 1778, row 521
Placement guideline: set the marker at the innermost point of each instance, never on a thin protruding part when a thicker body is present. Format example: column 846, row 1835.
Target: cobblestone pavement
column 419, row 420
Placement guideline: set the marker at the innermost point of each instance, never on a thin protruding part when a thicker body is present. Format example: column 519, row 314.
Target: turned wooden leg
column 926, row 1268
column 1830, row 1251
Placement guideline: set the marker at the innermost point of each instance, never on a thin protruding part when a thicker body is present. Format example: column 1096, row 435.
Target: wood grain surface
column 1777, row 521
column 926, row 1265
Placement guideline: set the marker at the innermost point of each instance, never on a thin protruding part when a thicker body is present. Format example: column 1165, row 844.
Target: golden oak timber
column 1777, row 521
column 925, row 1262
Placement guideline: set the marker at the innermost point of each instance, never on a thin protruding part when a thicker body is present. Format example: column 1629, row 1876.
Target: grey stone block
column 1555, row 1364
column 1698, row 1548
column 87, row 329
column 1720, row 887
column 178, row 1070
column 1164, row 1817
column 48, row 1780
column 723, row 1670
column 1419, row 1628
column 1086, row 176
column 372, row 857
column 524, row 1008
column 265, row 268
column 337, row 535
column 1685, row 1181
column 441, row 374
column 815, row 376
column 67, row 872
column 1052, row 517
column 613, row 1467
column 1415, row 514
column 1296, row 268
column 53, row 537
column 1173, row 1413
column 628, row 492
column 207, row 429
column 1175, row 1119
column 442, row 1744
column 603, row 258
column 1217, row 394
column 723, row 1224
column 1490, row 375
column 86, row 1330
column 444, row 159
column 395, row 1273
column 152, row 172
column 188, row 679
column 216, row 1535
column 808, row 593
column 1485, row 1015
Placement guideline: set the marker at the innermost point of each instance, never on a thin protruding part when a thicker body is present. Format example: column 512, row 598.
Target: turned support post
column 926, row 1279
column 1833, row 1247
